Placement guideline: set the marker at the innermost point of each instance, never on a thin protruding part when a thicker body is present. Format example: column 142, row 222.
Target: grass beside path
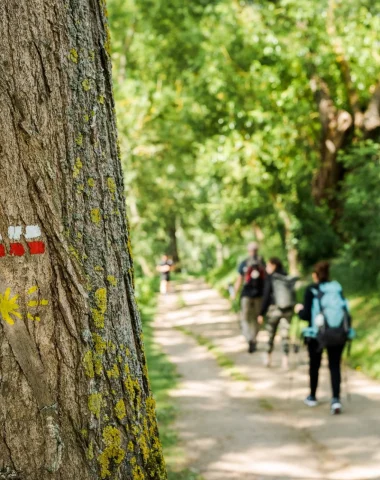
column 364, row 301
column 163, row 378
column 365, row 353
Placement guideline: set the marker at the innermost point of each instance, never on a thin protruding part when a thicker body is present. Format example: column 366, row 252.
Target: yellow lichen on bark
column 112, row 451
column 101, row 307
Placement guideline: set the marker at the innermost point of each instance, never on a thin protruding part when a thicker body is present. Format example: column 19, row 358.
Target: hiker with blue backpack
column 327, row 312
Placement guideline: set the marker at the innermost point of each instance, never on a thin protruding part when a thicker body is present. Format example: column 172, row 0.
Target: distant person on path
column 326, row 310
column 165, row 267
column 251, row 278
column 278, row 305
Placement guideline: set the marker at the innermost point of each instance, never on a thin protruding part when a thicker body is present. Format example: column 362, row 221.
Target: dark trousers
column 335, row 358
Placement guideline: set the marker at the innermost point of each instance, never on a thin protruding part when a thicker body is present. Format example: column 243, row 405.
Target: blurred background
column 250, row 118
column 242, row 120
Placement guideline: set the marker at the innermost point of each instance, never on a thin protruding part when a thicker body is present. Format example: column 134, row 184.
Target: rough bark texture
column 74, row 395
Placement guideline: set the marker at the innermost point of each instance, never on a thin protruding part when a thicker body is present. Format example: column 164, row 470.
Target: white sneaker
column 311, row 401
column 336, row 406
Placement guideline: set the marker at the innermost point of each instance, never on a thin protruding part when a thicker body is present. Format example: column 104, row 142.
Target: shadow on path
column 260, row 429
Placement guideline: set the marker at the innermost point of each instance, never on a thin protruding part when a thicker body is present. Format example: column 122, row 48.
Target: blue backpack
column 330, row 317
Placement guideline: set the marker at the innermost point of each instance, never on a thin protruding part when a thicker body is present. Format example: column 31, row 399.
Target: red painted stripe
column 36, row 248
column 2, row 251
column 17, row 250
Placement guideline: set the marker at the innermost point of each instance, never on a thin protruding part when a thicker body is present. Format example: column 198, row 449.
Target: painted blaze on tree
column 74, row 394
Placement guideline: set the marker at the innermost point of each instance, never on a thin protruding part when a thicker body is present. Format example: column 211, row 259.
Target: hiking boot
column 311, row 401
column 336, row 406
column 252, row 347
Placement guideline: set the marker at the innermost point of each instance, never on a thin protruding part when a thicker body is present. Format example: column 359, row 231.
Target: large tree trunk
column 74, row 395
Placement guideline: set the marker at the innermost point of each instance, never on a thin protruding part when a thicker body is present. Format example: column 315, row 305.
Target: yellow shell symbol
column 9, row 307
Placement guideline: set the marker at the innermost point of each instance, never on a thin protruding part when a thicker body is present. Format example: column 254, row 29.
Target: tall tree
column 74, row 394
column 360, row 116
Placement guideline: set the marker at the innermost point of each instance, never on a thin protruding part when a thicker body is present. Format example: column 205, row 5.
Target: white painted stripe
column 1, row 238
column 32, row 231
column 14, row 233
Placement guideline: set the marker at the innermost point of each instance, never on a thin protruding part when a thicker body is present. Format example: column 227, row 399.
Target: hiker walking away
column 277, row 305
column 326, row 310
column 251, row 278
column 165, row 267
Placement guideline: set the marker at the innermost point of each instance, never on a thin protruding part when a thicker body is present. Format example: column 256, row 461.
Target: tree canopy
column 237, row 115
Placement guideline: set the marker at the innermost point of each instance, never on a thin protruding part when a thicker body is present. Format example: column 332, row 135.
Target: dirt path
column 259, row 429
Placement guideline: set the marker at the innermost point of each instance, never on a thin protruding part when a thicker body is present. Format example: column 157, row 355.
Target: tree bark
column 74, row 396
column 335, row 127
column 291, row 250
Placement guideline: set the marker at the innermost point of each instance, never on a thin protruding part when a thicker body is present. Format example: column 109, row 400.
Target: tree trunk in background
column 173, row 244
column 336, row 125
column 74, row 395
column 339, row 130
column 291, row 250
column 258, row 232
column 340, row 127
column 219, row 254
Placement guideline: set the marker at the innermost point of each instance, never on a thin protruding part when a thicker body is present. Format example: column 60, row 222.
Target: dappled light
column 258, row 427
column 250, row 139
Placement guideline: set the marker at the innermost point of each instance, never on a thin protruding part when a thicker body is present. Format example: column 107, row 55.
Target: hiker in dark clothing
column 321, row 277
column 251, row 278
column 276, row 316
column 165, row 267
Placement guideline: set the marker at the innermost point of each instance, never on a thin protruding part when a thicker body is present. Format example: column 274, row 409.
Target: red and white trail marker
column 32, row 233
column 33, row 240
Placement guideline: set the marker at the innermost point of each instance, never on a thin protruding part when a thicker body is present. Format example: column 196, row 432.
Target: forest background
column 254, row 119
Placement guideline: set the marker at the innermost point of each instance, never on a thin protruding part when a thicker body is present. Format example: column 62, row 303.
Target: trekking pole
column 293, row 348
column 290, row 386
column 345, row 373
column 297, row 343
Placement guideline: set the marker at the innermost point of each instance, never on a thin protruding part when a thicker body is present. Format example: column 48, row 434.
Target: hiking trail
column 244, row 421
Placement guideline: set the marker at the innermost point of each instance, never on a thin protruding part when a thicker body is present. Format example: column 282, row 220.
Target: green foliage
column 365, row 354
column 219, row 126
column 360, row 223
